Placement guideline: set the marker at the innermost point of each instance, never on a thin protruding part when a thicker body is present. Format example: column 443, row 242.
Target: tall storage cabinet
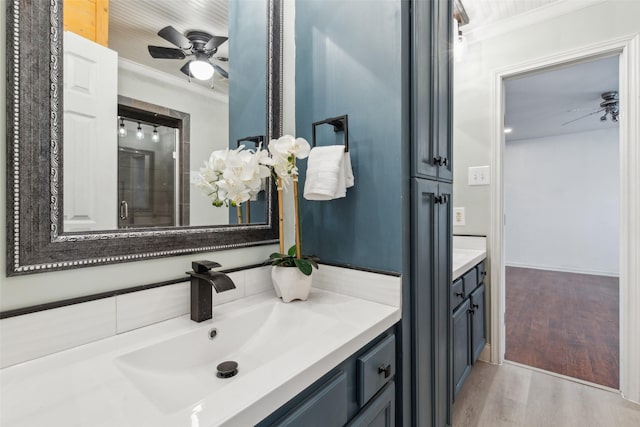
column 431, row 212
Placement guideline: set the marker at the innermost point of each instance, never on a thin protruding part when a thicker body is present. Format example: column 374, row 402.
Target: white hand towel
column 328, row 173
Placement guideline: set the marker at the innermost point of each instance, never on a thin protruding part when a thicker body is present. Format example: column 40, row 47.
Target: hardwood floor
column 511, row 395
column 565, row 323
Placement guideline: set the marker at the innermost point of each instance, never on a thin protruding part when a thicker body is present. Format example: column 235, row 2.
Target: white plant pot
column 290, row 284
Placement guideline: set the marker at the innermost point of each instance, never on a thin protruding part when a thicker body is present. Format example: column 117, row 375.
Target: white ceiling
column 486, row 12
column 134, row 24
column 537, row 105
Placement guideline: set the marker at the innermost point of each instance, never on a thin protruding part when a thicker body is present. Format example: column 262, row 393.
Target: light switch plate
column 458, row 216
column 479, row 175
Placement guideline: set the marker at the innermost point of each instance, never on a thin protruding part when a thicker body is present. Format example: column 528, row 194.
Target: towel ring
column 257, row 140
column 339, row 123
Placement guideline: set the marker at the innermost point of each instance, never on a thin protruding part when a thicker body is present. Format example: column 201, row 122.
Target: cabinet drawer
column 457, row 293
column 470, row 280
column 375, row 368
column 481, row 272
column 380, row 412
column 327, row 407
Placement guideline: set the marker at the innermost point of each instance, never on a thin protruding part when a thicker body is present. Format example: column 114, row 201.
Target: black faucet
column 202, row 280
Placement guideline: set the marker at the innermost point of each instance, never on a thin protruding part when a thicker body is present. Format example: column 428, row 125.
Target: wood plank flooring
column 514, row 396
column 565, row 323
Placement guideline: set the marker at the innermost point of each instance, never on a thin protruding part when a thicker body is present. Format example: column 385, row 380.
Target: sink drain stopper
column 227, row 369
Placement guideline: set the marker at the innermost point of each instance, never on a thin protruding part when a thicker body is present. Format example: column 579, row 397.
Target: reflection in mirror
column 64, row 154
column 206, row 60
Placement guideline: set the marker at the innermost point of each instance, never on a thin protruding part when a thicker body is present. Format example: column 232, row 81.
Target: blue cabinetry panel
column 326, row 408
column 380, row 412
column 376, row 368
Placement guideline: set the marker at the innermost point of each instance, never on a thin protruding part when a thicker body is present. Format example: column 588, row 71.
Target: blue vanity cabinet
column 360, row 391
column 468, row 320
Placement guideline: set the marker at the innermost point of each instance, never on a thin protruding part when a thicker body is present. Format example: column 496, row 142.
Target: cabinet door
column 423, row 266
column 430, row 298
column 478, row 321
column 442, row 306
column 422, row 99
column 443, row 93
column 460, row 339
column 431, row 89
column 327, row 407
column 380, row 412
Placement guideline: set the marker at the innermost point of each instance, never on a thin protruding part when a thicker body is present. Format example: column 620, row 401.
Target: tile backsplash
column 30, row 336
column 38, row 334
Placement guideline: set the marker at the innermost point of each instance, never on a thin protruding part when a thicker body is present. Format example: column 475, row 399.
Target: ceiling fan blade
column 166, row 52
column 214, row 42
column 221, row 71
column 185, row 68
column 582, row 117
column 174, row 36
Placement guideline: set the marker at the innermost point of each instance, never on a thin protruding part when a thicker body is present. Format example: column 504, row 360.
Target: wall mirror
column 107, row 125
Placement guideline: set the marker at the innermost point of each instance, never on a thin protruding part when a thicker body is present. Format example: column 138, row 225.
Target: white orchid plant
column 233, row 177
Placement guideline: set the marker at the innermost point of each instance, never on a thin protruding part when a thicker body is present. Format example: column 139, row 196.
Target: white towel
column 329, row 173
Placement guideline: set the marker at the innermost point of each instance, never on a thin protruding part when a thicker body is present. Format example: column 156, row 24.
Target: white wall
column 525, row 42
column 505, row 45
column 209, row 131
column 24, row 291
column 562, row 202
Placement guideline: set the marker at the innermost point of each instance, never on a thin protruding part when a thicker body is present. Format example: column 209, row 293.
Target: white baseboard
column 485, row 354
column 563, row 269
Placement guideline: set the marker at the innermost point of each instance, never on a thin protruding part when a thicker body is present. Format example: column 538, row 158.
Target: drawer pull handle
column 460, row 294
column 475, row 306
column 385, row 369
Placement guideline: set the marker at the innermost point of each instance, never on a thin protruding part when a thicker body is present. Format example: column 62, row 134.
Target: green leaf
column 292, row 251
column 276, row 255
column 304, row 266
column 312, row 261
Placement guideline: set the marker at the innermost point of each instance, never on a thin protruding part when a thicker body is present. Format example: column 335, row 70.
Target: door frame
column 628, row 49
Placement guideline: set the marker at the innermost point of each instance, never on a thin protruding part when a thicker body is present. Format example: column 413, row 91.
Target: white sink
column 181, row 370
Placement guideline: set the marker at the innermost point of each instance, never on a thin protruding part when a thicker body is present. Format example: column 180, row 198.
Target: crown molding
column 534, row 16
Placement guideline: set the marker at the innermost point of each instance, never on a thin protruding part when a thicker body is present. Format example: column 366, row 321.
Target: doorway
column 561, row 204
column 629, row 157
column 153, row 165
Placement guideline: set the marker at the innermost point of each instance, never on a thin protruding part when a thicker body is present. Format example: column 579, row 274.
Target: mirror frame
column 36, row 242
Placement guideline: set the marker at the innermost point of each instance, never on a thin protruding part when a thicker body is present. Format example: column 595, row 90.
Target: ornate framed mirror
column 45, row 182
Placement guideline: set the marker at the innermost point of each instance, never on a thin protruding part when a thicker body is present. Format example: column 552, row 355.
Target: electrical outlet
column 458, row 216
column 479, row 175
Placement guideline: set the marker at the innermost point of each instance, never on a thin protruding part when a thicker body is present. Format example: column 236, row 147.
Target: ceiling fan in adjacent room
column 197, row 44
column 609, row 107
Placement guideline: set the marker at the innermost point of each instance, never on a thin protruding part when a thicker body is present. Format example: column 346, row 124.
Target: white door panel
column 90, row 135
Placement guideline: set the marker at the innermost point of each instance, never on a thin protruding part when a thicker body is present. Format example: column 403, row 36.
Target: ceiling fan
column 609, row 106
column 198, row 44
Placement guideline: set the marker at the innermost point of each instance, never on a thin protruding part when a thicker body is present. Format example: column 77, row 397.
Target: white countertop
column 84, row 386
column 467, row 252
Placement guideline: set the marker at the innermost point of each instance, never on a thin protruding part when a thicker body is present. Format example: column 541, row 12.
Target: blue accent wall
column 248, row 82
column 349, row 60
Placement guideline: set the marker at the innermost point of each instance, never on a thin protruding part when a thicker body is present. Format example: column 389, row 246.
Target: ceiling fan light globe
column 201, row 70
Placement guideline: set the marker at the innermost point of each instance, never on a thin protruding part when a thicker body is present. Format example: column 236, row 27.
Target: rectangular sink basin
column 181, row 370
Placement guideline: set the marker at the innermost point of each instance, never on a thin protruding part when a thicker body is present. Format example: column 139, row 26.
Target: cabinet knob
column 385, row 369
